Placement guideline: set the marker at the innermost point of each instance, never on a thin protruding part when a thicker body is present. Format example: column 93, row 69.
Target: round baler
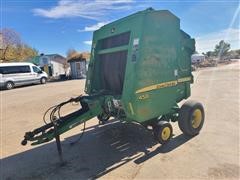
column 139, row 70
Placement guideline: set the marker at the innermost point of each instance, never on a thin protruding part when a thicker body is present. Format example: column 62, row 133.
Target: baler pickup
column 90, row 108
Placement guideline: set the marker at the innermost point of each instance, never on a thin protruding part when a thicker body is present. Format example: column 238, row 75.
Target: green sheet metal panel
column 131, row 23
column 158, row 69
column 155, row 64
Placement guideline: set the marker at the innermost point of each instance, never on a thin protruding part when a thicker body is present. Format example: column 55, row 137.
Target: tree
column 234, row 54
column 9, row 38
column 71, row 52
column 12, row 47
column 210, row 54
column 222, row 49
column 24, row 52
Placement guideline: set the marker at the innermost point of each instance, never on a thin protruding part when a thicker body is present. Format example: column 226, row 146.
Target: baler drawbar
column 90, row 108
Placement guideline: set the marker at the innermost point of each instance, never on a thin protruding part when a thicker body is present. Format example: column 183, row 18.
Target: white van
column 17, row 74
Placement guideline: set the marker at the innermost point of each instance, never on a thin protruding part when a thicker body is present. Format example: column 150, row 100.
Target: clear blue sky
column 54, row 26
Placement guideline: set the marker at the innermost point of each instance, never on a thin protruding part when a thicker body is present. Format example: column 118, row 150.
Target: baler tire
column 191, row 118
column 103, row 118
column 163, row 132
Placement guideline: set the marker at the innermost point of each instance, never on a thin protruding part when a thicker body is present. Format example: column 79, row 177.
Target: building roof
column 54, row 57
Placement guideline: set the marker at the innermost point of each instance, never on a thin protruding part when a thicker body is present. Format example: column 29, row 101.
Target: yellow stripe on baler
column 131, row 108
column 163, row 85
column 185, row 79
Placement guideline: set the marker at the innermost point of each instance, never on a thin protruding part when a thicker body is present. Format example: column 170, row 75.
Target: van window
column 36, row 69
column 14, row 69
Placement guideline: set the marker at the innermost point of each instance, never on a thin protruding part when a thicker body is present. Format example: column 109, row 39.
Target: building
column 197, row 58
column 78, row 65
column 54, row 65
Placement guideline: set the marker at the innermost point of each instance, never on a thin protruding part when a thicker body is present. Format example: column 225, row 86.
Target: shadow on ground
column 101, row 150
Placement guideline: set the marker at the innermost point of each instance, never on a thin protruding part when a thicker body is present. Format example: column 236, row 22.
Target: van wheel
column 43, row 80
column 9, row 85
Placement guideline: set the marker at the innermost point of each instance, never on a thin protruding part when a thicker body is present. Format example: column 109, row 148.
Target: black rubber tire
column 186, row 118
column 103, row 118
column 9, row 85
column 43, row 80
column 158, row 131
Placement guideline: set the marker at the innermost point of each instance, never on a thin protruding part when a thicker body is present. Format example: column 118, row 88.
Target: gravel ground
column 119, row 150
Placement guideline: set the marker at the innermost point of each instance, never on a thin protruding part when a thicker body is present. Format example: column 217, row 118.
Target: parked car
column 17, row 74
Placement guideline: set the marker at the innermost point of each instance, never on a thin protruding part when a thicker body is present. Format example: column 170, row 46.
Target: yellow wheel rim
column 197, row 118
column 166, row 132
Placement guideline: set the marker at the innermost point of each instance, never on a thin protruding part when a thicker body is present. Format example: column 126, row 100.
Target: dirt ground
column 124, row 151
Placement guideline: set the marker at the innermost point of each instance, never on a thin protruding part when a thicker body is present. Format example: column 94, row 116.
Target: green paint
column 158, row 53
column 163, row 55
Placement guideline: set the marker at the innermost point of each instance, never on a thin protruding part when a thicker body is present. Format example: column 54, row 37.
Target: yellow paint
column 163, row 85
column 144, row 96
column 166, row 133
column 131, row 108
column 197, row 118
column 184, row 79
column 157, row 86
